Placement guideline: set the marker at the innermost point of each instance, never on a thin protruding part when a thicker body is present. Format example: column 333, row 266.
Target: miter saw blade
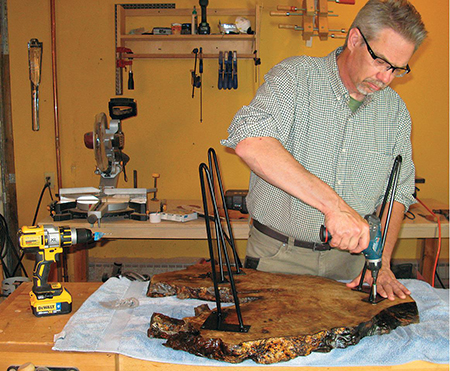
column 99, row 142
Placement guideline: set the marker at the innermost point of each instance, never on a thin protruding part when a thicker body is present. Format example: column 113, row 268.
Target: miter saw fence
column 95, row 204
column 107, row 141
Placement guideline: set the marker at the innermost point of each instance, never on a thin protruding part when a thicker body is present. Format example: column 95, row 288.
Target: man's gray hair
column 398, row 15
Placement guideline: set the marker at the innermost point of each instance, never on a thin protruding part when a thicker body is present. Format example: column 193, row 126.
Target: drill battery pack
column 57, row 301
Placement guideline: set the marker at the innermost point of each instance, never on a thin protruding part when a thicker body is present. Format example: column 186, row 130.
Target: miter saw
column 107, row 140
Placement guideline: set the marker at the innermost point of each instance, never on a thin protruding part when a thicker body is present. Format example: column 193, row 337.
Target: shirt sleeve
column 270, row 111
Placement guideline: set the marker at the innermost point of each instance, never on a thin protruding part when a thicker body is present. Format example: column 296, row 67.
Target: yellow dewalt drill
column 47, row 242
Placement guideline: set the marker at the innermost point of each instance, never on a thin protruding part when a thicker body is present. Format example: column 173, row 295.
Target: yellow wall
column 166, row 136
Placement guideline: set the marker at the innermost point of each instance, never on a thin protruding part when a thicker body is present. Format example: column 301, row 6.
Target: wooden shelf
column 186, row 37
column 181, row 46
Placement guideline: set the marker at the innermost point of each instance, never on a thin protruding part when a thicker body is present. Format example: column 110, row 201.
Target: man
column 320, row 137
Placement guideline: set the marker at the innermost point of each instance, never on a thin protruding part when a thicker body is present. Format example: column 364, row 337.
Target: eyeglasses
column 383, row 64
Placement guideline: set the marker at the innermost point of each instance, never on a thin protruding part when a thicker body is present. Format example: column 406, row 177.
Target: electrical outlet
column 51, row 179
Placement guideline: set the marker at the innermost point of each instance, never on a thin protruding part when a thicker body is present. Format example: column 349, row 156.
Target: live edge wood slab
column 289, row 315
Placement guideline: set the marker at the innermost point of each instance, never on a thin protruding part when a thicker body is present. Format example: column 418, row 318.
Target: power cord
column 409, row 215
column 46, row 185
column 439, row 242
column 7, row 246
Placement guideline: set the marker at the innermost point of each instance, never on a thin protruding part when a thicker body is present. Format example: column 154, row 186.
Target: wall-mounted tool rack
column 314, row 18
column 181, row 46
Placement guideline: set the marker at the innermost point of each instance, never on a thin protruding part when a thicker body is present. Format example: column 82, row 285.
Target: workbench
column 26, row 338
column 115, row 228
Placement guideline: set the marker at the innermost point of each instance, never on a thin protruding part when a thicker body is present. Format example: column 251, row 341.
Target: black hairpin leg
column 390, row 189
column 216, row 320
column 212, row 156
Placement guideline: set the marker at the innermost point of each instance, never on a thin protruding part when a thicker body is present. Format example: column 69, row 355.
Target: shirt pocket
column 368, row 179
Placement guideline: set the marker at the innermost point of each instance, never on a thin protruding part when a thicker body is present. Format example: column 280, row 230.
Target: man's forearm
column 398, row 212
column 268, row 159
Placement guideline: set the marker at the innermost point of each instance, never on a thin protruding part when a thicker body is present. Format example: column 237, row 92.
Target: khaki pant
column 278, row 257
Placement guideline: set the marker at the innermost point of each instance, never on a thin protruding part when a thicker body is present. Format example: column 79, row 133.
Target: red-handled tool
column 324, row 235
column 348, row 2
column 288, row 8
column 122, row 63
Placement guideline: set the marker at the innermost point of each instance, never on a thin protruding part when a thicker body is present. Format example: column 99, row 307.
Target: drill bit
column 373, row 291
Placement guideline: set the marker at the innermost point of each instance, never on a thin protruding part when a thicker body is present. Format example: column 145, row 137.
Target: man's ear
column 354, row 38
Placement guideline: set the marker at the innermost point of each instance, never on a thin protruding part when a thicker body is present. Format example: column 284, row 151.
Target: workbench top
column 419, row 227
column 117, row 228
column 26, row 338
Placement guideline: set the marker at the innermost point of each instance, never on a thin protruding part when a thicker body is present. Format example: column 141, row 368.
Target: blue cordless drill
column 372, row 253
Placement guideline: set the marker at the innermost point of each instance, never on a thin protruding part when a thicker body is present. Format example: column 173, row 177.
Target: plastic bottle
column 194, row 22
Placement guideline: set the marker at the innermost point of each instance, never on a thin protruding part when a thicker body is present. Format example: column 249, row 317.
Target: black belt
column 282, row 238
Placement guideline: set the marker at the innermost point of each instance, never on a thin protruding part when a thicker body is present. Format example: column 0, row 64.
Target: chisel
column 35, row 64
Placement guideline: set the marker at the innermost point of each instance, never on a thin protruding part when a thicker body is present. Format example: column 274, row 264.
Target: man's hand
column 348, row 229
column 387, row 285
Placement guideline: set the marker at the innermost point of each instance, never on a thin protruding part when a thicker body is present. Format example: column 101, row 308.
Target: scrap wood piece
column 289, row 315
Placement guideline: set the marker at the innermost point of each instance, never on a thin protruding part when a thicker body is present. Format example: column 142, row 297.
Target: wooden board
column 289, row 315
column 26, row 338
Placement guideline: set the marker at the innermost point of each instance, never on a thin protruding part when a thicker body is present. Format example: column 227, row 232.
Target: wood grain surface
column 289, row 315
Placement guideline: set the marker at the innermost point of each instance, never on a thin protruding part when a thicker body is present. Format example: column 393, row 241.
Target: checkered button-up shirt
column 304, row 105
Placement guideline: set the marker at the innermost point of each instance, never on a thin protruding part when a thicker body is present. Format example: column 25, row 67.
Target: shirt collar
column 337, row 85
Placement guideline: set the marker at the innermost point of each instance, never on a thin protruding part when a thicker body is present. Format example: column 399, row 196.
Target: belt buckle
column 322, row 247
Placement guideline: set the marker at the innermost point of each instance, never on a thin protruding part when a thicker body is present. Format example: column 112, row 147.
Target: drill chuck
column 83, row 235
column 374, row 266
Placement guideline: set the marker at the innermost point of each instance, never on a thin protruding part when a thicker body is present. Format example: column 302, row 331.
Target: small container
column 176, row 28
column 186, row 29
column 155, row 217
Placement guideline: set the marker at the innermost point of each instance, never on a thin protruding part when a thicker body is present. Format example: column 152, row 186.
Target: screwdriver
column 130, row 77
